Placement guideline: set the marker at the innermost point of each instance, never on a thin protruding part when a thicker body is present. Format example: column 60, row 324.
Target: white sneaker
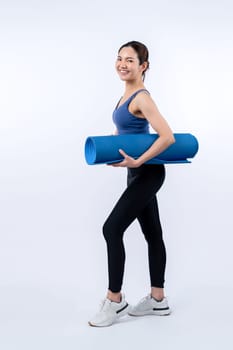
column 150, row 306
column 110, row 312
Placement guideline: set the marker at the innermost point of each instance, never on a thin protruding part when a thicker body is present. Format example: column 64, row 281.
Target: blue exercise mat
column 105, row 149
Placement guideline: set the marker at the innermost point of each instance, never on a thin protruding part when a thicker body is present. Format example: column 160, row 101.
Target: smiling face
column 128, row 66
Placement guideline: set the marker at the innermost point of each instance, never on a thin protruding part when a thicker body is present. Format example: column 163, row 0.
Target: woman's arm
column 147, row 108
column 150, row 111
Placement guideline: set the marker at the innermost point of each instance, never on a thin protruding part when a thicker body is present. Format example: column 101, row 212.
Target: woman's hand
column 128, row 161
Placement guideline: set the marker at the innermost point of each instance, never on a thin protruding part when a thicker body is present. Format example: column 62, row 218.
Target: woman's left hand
column 128, row 161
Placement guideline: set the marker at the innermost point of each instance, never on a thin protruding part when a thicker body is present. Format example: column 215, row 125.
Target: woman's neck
column 130, row 88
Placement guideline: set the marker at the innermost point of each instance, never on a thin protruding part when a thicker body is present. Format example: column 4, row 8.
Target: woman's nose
column 123, row 65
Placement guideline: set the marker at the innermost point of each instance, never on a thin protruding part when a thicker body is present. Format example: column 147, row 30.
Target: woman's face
column 127, row 64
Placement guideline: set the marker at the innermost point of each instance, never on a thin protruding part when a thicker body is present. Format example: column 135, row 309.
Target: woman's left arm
column 149, row 110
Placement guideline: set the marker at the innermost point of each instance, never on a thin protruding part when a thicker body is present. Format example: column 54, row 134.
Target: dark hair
column 142, row 53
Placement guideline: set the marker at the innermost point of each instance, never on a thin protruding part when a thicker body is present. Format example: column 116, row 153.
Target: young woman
column 133, row 114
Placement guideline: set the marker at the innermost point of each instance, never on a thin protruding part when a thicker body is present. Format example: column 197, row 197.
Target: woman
column 133, row 114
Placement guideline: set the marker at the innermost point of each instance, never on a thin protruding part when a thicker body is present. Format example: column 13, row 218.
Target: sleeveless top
column 126, row 122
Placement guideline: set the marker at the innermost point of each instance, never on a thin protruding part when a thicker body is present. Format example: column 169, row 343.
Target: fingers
column 123, row 153
column 115, row 164
column 125, row 162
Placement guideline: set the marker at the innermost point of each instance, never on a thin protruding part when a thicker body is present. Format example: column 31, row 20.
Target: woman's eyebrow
column 132, row 58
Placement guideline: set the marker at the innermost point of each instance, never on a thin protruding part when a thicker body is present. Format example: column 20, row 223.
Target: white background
column 58, row 86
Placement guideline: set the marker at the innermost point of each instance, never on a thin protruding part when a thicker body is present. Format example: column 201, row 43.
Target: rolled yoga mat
column 105, row 149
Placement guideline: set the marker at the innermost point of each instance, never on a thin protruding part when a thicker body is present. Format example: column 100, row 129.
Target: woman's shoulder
column 143, row 101
column 143, row 91
column 142, row 95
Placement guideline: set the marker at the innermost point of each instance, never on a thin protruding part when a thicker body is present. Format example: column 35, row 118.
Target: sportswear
column 109, row 312
column 128, row 123
column 150, row 306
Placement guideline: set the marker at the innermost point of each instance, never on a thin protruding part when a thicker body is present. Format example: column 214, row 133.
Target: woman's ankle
column 115, row 297
column 157, row 293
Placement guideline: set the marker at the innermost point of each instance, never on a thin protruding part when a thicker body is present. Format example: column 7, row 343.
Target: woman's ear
column 144, row 66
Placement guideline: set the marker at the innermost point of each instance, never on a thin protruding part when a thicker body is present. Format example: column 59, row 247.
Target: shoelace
column 145, row 298
column 103, row 303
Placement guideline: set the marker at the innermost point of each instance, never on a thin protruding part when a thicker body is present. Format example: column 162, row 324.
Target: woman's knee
column 111, row 230
column 108, row 230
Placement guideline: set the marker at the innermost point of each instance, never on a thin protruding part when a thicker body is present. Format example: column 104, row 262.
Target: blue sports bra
column 126, row 122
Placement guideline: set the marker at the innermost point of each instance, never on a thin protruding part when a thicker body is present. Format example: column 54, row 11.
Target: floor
column 33, row 318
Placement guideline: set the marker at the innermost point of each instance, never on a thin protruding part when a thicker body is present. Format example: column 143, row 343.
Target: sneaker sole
column 149, row 313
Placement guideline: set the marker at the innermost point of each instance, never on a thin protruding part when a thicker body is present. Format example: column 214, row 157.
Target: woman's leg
column 143, row 182
column 151, row 227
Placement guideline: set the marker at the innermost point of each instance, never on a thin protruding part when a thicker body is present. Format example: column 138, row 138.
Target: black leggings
column 138, row 201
